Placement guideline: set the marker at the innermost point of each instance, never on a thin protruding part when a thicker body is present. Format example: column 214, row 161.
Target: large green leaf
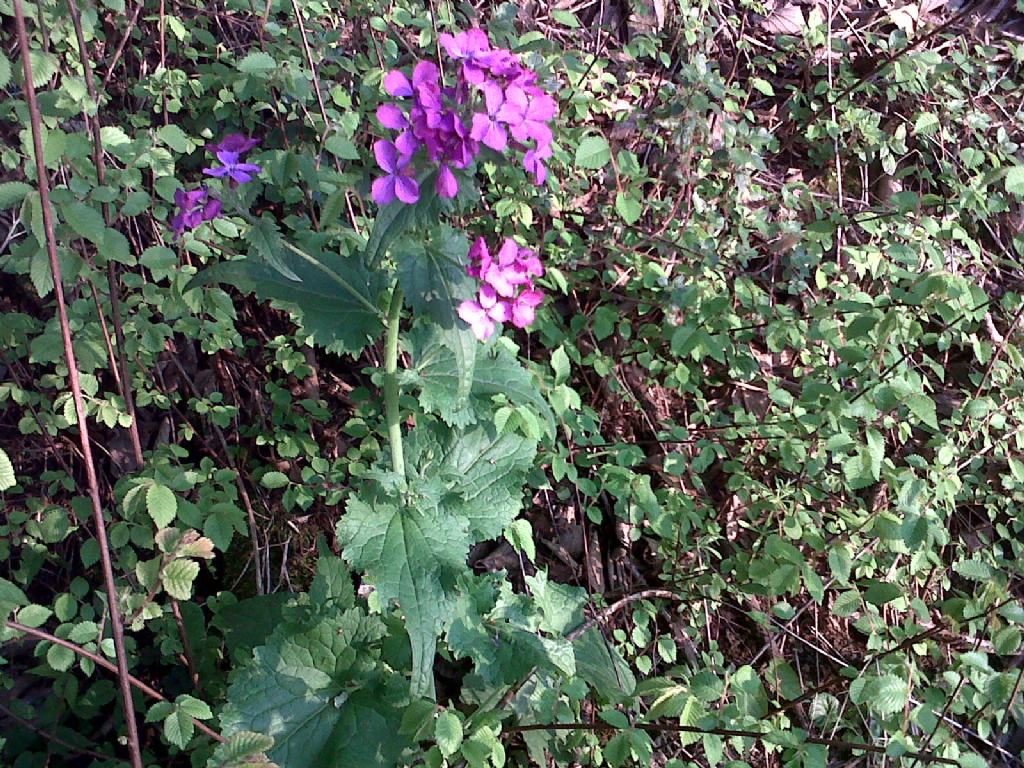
column 496, row 372
column 433, row 277
column 335, row 297
column 316, row 688
column 412, row 551
column 444, row 386
column 484, row 472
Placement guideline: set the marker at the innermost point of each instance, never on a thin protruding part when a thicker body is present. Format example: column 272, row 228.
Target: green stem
column 391, row 383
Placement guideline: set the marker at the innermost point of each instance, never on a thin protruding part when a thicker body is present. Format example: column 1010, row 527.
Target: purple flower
column 239, row 172
column 194, row 208
column 524, row 308
column 447, row 123
column 476, row 317
column 487, row 127
column 400, row 180
column 506, row 292
column 473, row 49
column 234, row 142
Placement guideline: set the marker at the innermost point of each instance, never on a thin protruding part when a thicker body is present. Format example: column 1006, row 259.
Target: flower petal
column 407, row 189
column 397, row 84
column 446, row 184
column 391, row 117
column 383, row 190
column 386, row 154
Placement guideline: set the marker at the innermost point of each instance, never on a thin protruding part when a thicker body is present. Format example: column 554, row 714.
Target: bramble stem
column 391, row 383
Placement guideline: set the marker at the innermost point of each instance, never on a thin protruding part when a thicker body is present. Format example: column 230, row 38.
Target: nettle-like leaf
column 393, row 220
column 336, row 297
column 482, row 470
column 444, row 386
column 496, row 372
column 412, row 551
column 317, row 687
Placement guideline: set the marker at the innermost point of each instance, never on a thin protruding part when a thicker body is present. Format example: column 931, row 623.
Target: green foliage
column 770, row 413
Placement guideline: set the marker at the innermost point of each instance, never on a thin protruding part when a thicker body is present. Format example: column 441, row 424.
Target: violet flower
column 239, row 172
column 234, row 142
column 506, row 292
column 194, row 208
column 400, row 180
column 447, row 124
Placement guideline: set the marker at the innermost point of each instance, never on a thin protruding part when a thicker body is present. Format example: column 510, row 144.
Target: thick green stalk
column 391, row 383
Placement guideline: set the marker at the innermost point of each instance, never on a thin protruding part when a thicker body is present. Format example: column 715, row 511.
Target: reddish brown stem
column 117, row 627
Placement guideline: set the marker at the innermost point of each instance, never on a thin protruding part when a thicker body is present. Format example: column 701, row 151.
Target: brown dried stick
column 117, row 626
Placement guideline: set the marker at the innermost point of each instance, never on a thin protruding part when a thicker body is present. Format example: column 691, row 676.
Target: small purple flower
column 524, row 308
column 473, row 49
column 476, row 317
column 239, row 172
column 234, row 142
column 194, row 208
column 506, row 292
column 400, row 180
column 488, row 129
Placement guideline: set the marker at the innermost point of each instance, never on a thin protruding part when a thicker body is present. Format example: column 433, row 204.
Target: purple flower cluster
column 198, row 206
column 495, row 102
column 229, row 152
column 194, row 208
column 506, row 287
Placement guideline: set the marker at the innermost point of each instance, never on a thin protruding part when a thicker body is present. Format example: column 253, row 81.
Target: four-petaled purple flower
column 237, row 171
column 194, row 208
column 400, row 181
column 506, row 293
column 198, row 206
column 229, row 152
column 495, row 103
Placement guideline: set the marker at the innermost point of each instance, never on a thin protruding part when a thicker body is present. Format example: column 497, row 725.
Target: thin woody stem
column 117, row 625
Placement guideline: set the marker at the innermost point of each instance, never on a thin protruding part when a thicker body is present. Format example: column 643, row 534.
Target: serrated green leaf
column 593, row 153
column 628, row 207
column 7, row 478
column 12, row 193
column 887, row 694
column 175, row 138
column 329, row 311
column 882, row 592
column 5, row 71
column 973, row 569
column 444, row 385
column 341, row 147
column 1014, row 180
column 60, row 657
column 519, row 534
column 86, row 221
column 448, row 733
column 178, row 576
column 923, row 408
column 274, row 480
column 179, row 729
column 34, row 615
column 412, row 554
column 161, row 504
column 245, row 744
column 193, row 707
column 11, row 594
column 257, row 62
column 483, row 471
column 317, row 689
